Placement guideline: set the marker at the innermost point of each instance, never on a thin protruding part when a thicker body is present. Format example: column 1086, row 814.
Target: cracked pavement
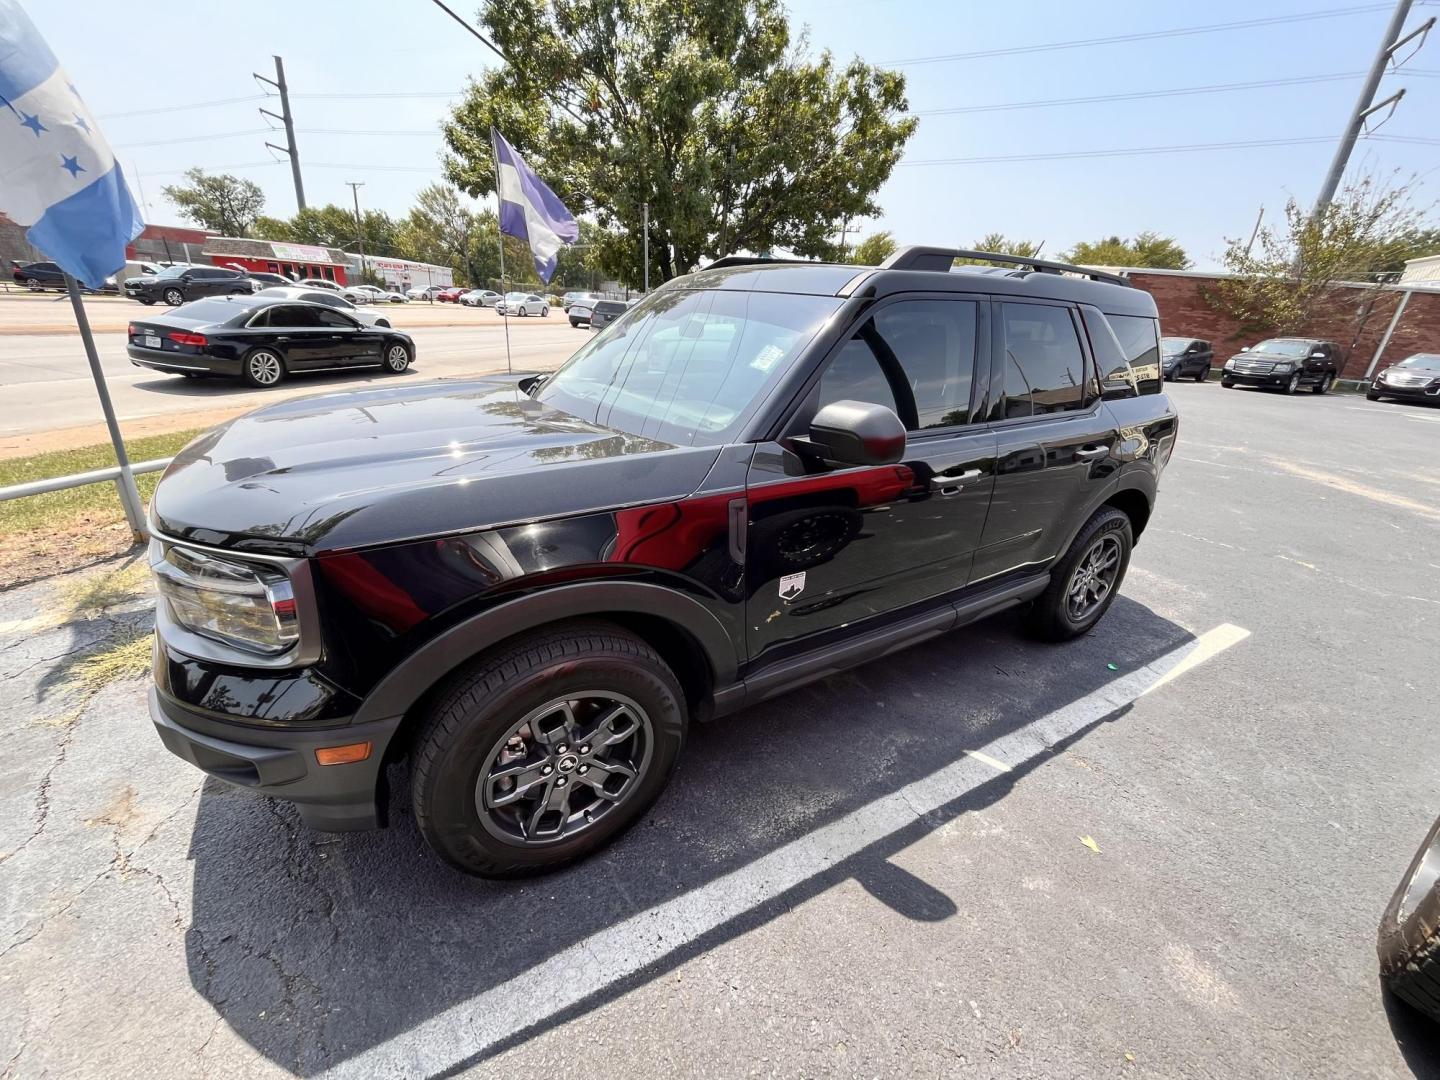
column 1252, row 817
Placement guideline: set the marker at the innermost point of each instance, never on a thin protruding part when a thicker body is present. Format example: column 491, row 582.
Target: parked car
column 1416, row 378
column 480, row 298
column 329, row 299
column 265, row 280
column 262, row 340
column 519, row 303
column 39, row 276
column 675, row 530
column 1186, row 358
column 428, row 292
column 1284, row 364
column 373, row 294
column 177, row 285
column 604, row 312
column 573, row 297
column 579, row 312
column 1409, row 938
column 318, row 283
column 449, row 296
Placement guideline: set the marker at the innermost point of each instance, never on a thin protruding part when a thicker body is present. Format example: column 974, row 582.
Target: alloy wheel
column 397, row 359
column 562, row 768
column 1093, row 578
column 1294, row 383
column 264, row 368
column 174, row 297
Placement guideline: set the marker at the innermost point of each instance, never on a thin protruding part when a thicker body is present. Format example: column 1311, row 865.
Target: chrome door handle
column 1091, row 453
column 951, row 485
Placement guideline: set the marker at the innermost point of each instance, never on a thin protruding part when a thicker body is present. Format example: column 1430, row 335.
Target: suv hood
column 358, row 469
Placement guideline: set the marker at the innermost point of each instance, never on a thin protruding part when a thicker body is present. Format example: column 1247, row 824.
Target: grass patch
column 88, row 595
column 97, row 504
column 127, row 658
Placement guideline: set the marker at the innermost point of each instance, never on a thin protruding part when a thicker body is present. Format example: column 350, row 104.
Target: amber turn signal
column 343, row 755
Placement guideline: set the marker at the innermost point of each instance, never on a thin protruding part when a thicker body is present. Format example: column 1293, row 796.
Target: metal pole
column 1255, row 231
column 504, row 319
column 1389, row 330
column 129, row 493
column 289, row 131
column 647, row 248
column 1362, row 109
column 355, row 186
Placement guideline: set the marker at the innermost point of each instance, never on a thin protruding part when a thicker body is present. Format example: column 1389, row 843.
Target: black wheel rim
column 1093, row 578
column 564, row 767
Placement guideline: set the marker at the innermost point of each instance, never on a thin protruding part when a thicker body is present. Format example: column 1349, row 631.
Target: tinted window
column 209, row 311
column 1139, row 339
column 334, row 318
column 610, row 307
column 921, row 351
column 687, row 366
column 294, row 315
column 1044, row 365
column 1116, row 378
column 261, row 318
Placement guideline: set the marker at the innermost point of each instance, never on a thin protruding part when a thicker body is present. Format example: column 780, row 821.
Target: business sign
column 301, row 253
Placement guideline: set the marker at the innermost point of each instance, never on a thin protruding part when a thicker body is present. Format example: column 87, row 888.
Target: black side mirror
column 857, row 433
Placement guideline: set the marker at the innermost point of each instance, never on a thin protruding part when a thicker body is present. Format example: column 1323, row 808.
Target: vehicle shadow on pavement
column 1417, row 1036
column 317, row 947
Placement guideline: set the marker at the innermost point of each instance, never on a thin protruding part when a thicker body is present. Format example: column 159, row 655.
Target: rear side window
column 916, row 357
column 1116, row 378
column 1139, row 339
column 1044, row 363
column 294, row 315
column 334, row 318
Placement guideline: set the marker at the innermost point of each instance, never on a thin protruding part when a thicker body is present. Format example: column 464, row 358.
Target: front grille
column 1408, row 380
column 1254, row 367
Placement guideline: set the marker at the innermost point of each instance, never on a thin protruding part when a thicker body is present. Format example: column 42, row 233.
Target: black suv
column 1284, row 364
column 176, row 285
column 39, row 276
column 528, row 586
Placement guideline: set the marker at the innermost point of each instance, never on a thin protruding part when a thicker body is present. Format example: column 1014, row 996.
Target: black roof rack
column 938, row 259
column 752, row 260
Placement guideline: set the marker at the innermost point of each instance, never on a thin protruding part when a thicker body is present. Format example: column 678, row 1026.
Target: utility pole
column 647, row 248
column 1255, row 231
column 289, row 121
column 845, row 230
column 355, row 186
column 1363, row 106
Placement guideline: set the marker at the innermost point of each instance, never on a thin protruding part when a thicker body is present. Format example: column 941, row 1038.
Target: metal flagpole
column 495, row 152
column 129, row 493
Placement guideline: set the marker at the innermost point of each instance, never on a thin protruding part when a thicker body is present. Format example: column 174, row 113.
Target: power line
column 1125, row 151
column 341, row 96
column 1117, row 39
column 1136, row 95
column 194, row 138
column 181, row 108
column 361, row 131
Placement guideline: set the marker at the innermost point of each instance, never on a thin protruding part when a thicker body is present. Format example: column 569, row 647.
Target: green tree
column 1000, row 244
column 272, row 228
column 706, row 111
column 439, row 228
column 1147, row 249
column 224, row 203
column 334, row 226
column 1291, row 274
column 874, row 249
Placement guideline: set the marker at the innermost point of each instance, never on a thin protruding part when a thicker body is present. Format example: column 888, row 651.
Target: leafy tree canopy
column 705, row 109
column 1147, row 249
column 224, row 203
column 875, row 249
column 1000, row 244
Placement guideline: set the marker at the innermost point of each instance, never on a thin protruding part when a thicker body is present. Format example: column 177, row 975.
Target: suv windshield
column 1282, row 347
column 686, row 366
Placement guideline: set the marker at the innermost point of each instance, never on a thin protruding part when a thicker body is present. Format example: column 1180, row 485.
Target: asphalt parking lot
column 1159, row 851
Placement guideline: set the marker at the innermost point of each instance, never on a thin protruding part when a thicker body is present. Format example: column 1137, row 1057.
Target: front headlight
column 1282, row 369
column 1230, row 364
column 242, row 605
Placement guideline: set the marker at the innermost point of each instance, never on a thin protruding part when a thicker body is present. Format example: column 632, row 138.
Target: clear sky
column 385, row 71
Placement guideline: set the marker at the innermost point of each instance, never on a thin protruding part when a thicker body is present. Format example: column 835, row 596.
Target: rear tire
column 173, row 297
column 550, row 676
column 1409, row 942
column 1370, row 395
column 1098, row 556
column 575, row 322
column 1203, row 375
column 544, row 312
column 147, row 303
column 33, row 285
column 263, row 368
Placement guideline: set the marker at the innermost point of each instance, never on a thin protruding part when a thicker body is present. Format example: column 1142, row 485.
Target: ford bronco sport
column 529, row 586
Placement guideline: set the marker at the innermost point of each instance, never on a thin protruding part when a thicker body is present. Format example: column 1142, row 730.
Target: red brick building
column 1357, row 319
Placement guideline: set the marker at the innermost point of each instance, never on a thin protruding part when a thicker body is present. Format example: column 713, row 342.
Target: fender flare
column 413, row 677
column 1133, row 480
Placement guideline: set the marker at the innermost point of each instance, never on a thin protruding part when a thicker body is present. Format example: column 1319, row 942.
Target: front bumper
column 280, row 762
column 1406, row 393
column 1243, row 379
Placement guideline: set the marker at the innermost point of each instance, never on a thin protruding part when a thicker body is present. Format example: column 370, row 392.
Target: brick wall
column 1356, row 320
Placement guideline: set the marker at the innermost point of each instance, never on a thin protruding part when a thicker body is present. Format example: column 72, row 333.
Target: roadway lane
column 45, row 381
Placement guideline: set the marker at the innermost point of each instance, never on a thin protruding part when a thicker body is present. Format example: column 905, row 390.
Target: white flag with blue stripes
column 529, row 209
column 57, row 174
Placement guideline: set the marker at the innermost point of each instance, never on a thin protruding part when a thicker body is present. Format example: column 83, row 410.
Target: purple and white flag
column 530, row 210
column 57, row 173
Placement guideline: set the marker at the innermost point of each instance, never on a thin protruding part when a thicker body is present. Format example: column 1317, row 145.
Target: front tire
column 1323, row 386
column 1409, row 942
column 497, row 782
column 1228, row 384
column 544, row 312
column 173, row 297
column 33, row 285
column 1293, row 384
column 1370, row 395
column 263, row 368
column 1084, row 583
column 397, row 358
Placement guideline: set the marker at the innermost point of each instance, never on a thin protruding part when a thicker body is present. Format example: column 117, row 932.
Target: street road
column 884, row 874
column 45, row 380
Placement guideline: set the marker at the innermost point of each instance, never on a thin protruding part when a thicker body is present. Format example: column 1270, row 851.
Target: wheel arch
column 685, row 634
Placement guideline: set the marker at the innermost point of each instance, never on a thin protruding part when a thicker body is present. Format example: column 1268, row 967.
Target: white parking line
column 570, row 977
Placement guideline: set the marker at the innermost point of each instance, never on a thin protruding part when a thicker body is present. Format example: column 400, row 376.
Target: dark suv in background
column 529, row 586
column 176, row 285
column 1186, row 358
column 1284, row 364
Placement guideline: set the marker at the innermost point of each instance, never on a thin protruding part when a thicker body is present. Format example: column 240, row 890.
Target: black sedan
column 1416, row 378
column 262, row 340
